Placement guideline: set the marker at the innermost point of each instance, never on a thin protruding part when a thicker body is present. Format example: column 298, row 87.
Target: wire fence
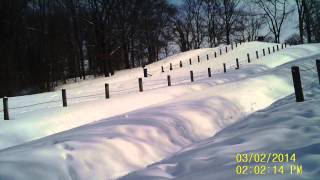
column 152, row 85
column 219, row 52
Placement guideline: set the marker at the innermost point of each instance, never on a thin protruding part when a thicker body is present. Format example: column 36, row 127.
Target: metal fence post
column 181, row 64
column 248, row 56
column 198, row 58
column 209, row 72
column 106, row 89
column 5, row 108
column 191, row 76
column 64, row 98
column 273, row 49
column 215, row 54
column 237, row 62
column 257, row 54
column 140, row 85
column 264, row 53
column 297, row 84
column 190, row 62
column 207, row 56
column 224, row 68
column 145, row 72
column 162, row 70
column 170, row 66
column 269, row 50
column 169, row 80
column 318, row 68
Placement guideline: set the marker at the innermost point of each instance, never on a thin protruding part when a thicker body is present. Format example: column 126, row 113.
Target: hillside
column 95, row 138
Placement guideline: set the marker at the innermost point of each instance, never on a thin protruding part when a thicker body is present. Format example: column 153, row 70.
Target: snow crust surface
column 94, row 138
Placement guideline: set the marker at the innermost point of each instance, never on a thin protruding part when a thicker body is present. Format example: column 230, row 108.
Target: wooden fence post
column 170, row 66
column 64, row 98
column 269, row 50
column 169, row 80
column 248, row 56
column 140, row 85
column 318, row 68
column 264, row 53
column 191, row 76
column 180, row 64
column 5, row 108
column 224, row 68
column 237, row 62
column 162, row 70
column 190, row 61
column 209, row 72
column 145, row 72
column 297, row 84
column 106, row 89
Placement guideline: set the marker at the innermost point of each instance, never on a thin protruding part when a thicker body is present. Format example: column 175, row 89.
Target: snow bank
column 146, row 127
column 284, row 127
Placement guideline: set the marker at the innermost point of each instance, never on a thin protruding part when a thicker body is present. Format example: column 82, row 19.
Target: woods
column 44, row 43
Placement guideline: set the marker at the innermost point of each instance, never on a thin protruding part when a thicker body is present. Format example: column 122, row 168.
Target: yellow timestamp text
column 288, row 169
column 265, row 158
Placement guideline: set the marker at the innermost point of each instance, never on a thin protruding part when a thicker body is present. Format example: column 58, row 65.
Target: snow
column 284, row 127
column 94, row 138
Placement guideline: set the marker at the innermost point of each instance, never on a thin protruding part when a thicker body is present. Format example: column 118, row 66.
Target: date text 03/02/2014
column 267, row 163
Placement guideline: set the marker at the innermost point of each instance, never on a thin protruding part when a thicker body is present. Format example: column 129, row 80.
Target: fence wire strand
column 305, row 67
column 36, row 104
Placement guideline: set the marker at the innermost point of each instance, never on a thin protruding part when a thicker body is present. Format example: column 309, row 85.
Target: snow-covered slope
column 86, row 99
column 133, row 129
column 285, row 127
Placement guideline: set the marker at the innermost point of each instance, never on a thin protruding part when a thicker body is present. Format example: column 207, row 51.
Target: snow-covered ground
column 94, row 138
column 284, row 127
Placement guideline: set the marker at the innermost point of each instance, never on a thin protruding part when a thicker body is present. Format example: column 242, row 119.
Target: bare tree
column 74, row 7
column 229, row 16
column 307, row 8
column 212, row 11
column 182, row 33
column 276, row 12
column 300, row 8
column 249, row 22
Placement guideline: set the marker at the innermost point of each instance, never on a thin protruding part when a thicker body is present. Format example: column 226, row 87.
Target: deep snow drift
column 284, row 127
column 146, row 127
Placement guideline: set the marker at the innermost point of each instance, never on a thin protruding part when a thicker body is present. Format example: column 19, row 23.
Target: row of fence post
column 215, row 55
column 295, row 74
column 198, row 58
column 294, row 69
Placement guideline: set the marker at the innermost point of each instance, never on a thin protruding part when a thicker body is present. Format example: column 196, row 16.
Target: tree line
column 44, row 43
